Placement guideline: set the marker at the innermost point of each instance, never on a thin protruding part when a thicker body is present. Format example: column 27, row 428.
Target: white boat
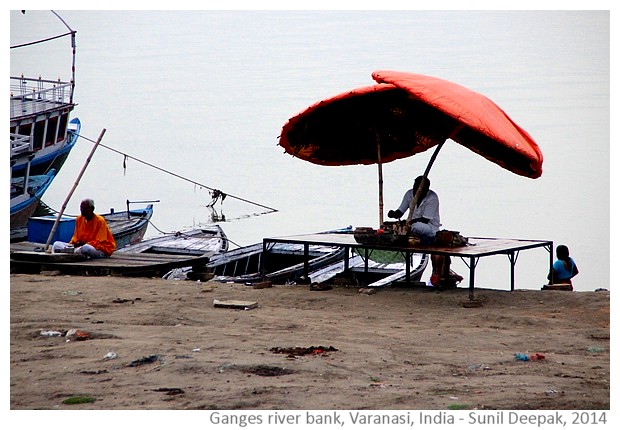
column 40, row 128
column 285, row 262
column 366, row 272
column 209, row 240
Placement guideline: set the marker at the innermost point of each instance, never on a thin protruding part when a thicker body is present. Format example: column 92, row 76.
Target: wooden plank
column 479, row 246
column 45, row 257
column 117, row 264
column 234, row 304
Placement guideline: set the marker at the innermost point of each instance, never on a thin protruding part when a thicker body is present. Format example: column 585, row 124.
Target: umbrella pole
column 416, row 197
column 380, row 168
column 433, row 157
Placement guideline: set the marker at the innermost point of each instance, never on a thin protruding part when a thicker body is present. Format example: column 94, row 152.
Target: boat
column 28, row 257
column 39, row 118
column 26, row 193
column 45, row 158
column 369, row 273
column 128, row 227
column 285, row 263
column 208, row 240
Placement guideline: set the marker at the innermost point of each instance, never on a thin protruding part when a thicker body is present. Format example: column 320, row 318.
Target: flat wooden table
column 470, row 254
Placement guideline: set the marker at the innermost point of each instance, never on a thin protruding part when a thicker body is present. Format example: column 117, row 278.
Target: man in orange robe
column 92, row 236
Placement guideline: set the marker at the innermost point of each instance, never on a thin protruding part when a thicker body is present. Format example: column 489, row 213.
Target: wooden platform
column 470, row 254
column 24, row 259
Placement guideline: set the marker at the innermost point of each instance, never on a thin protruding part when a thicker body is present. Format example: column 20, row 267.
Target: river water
column 204, row 95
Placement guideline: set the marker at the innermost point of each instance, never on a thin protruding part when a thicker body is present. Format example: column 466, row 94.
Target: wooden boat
column 285, row 262
column 26, row 193
column 26, row 257
column 208, row 240
column 370, row 273
column 39, row 117
column 129, row 227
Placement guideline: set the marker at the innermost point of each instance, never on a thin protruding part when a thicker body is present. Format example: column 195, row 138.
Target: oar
column 77, row 181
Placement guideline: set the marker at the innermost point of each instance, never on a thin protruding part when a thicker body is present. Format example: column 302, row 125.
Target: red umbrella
column 405, row 114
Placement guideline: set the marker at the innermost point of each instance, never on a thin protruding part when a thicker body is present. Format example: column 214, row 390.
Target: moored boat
column 127, row 227
column 284, row 264
column 26, row 193
column 39, row 116
column 366, row 272
column 209, row 240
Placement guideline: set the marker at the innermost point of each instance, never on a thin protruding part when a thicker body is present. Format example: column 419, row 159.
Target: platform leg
column 408, row 267
column 513, row 261
column 306, row 260
column 263, row 263
column 472, row 275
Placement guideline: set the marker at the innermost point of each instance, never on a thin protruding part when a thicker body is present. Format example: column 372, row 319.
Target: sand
column 145, row 344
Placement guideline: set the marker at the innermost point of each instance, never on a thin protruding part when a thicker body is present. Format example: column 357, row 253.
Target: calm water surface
column 204, row 94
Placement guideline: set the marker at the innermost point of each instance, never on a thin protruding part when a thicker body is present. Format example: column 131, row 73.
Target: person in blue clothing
column 564, row 268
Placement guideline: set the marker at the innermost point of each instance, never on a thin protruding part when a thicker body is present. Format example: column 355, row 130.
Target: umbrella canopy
column 405, row 114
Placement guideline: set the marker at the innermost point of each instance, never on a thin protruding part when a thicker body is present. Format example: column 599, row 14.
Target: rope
column 213, row 190
column 43, row 40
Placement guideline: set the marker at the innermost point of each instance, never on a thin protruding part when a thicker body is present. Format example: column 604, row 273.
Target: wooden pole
column 77, row 181
column 416, row 196
column 380, row 168
column 414, row 201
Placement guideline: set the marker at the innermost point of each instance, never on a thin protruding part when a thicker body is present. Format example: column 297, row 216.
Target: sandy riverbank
column 396, row 349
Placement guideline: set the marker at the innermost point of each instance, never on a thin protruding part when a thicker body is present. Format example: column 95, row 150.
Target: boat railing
column 34, row 95
column 20, row 144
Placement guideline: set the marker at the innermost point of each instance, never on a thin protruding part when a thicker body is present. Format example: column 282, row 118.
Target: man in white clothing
column 425, row 223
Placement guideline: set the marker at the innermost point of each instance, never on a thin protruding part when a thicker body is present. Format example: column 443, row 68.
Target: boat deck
column 478, row 247
column 25, row 260
column 31, row 97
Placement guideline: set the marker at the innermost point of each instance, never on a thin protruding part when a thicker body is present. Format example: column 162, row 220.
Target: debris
column 234, row 304
column 119, row 300
column 110, row 356
column 476, row 367
column 472, row 303
column 533, row 357
column 596, row 349
column 144, row 360
column 261, row 285
column 71, row 293
column 294, row 352
column 51, row 333
column 76, row 334
column 51, row 273
column 315, row 286
column 76, row 400
column 367, row 291
column 170, row 391
column 199, row 275
column 256, row 369
column 93, row 372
